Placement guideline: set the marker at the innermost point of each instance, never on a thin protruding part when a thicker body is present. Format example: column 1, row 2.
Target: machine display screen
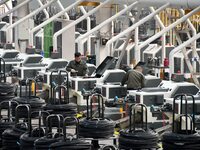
column 108, row 63
column 60, row 64
column 188, row 90
column 10, row 55
column 32, row 60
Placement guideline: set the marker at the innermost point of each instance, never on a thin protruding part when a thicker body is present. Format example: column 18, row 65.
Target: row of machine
column 105, row 78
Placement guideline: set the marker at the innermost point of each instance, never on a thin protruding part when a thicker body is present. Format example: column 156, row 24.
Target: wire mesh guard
column 92, row 127
column 138, row 138
column 183, row 135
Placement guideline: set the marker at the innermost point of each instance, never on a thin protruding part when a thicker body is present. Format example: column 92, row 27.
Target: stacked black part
column 27, row 139
column 7, row 121
column 138, row 138
column 96, row 127
column 60, row 105
column 35, row 102
column 43, row 143
column 7, row 91
column 11, row 137
column 69, row 141
column 180, row 138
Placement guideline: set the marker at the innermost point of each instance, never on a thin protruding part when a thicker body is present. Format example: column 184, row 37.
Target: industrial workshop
column 99, row 74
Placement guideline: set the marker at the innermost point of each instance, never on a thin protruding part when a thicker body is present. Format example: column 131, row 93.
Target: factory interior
column 46, row 105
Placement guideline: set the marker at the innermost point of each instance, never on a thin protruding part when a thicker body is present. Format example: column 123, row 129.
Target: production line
column 99, row 75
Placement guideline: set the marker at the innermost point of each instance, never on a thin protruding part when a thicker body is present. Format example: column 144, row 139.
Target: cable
column 96, row 128
column 35, row 103
column 177, row 141
column 10, row 137
column 138, row 139
column 7, row 91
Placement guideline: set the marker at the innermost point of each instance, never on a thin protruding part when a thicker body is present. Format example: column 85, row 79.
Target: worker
column 134, row 78
column 77, row 67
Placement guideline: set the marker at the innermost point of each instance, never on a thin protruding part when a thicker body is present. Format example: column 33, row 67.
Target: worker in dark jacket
column 77, row 66
column 134, row 79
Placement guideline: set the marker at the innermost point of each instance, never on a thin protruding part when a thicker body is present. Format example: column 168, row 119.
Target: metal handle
column 4, row 68
column 59, row 87
column 133, row 108
column 185, row 96
column 29, row 82
column 49, row 123
column 9, row 108
column 60, row 80
column 40, row 114
column 64, row 126
column 100, row 108
column 28, row 112
column 51, row 83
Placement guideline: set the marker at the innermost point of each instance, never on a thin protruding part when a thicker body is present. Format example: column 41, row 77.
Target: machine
column 180, row 64
column 152, row 51
column 30, row 65
column 152, row 81
column 189, row 104
column 109, row 84
column 129, row 54
column 88, row 83
column 11, row 59
column 155, row 51
column 154, row 97
column 52, row 64
column 105, row 75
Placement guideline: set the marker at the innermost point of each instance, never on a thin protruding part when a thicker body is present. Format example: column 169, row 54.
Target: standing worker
column 77, row 66
column 134, row 78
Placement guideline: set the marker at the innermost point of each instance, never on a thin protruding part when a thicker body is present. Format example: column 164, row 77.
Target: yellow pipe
column 88, row 3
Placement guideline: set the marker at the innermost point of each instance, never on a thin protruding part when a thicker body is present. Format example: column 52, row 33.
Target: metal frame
column 8, row 36
column 76, row 22
column 32, row 31
column 80, row 38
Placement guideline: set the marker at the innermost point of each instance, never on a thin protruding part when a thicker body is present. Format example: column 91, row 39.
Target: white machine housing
column 11, row 59
column 30, row 65
column 153, row 50
column 52, row 64
column 180, row 64
column 109, row 84
column 189, row 105
column 166, row 89
column 156, row 96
